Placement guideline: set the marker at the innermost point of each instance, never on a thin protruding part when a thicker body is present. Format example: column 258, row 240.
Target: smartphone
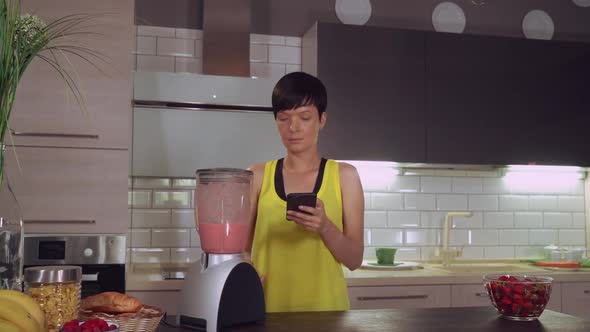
column 294, row 200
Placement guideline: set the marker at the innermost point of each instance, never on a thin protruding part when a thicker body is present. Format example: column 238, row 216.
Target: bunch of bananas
column 20, row 313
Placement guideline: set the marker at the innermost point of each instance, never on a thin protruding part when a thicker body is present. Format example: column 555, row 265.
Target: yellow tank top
column 301, row 274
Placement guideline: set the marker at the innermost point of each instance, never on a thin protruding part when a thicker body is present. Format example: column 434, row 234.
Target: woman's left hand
column 315, row 220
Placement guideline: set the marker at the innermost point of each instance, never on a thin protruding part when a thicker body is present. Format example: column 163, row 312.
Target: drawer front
column 70, row 190
column 576, row 299
column 399, row 297
column 469, row 296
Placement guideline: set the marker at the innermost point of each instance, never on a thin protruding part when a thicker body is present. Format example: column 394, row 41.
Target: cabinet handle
column 481, row 294
column 587, row 291
column 90, row 277
column 33, row 134
column 50, row 221
column 403, row 297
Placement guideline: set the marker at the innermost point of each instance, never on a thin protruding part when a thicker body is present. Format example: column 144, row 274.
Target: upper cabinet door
column 375, row 83
column 495, row 100
column 45, row 112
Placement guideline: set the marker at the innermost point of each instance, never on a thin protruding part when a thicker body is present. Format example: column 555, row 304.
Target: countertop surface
column 482, row 319
column 141, row 278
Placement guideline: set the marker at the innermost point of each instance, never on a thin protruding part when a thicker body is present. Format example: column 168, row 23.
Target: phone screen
column 294, row 200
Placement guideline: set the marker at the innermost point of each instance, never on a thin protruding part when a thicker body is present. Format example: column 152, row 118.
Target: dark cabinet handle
column 587, row 291
column 55, row 221
column 481, row 294
column 402, row 297
column 59, row 135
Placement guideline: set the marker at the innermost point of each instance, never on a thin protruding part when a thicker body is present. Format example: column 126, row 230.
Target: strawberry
column 506, row 301
column 527, row 306
column 518, row 288
column 503, row 278
column 515, row 307
column 517, row 298
column 512, row 278
column 506, row 290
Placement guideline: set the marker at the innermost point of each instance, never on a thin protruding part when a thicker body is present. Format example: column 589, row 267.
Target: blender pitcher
column 222, row 209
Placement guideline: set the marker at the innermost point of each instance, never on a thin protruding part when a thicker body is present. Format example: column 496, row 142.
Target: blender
column 221, row 289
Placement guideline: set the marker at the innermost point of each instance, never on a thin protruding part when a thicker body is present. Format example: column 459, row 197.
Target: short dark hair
column 299, row 89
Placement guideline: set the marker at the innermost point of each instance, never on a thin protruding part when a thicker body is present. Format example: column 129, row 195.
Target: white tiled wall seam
column 167, row 49
column 406, row 212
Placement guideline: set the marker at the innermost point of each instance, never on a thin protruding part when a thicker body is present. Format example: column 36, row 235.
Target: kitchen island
column 476, row 319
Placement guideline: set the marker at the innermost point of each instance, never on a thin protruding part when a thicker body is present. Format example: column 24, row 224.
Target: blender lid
column 225, row 174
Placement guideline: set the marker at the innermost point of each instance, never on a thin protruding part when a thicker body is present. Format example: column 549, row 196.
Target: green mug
column 385, row 256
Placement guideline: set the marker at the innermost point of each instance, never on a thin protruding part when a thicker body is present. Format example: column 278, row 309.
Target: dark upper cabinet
column 495, row 100
column 375, row 83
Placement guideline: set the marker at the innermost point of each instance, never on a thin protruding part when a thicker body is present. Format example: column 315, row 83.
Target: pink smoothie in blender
column 222, row 209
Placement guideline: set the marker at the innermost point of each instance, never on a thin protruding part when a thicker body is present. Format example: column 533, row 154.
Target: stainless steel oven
column 102, row 258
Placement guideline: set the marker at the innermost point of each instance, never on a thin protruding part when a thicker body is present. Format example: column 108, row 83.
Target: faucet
column 445, row 253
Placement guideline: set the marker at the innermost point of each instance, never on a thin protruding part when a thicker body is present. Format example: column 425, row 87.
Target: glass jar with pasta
column 57, row 290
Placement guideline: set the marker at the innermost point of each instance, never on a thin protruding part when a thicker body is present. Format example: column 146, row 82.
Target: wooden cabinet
column 45, row 112
column 384, row 297
column 375, row 83
column 497, row 100
column 576, row 299
column 70, row 190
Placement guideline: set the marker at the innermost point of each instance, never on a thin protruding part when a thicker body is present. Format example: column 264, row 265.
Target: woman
column 299, row 254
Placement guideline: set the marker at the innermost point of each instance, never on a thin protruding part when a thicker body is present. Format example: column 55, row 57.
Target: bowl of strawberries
column 518, row 297
column 90, row 325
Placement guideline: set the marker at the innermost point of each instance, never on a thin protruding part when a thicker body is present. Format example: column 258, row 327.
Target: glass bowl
column 108, row 322
column 517, row 296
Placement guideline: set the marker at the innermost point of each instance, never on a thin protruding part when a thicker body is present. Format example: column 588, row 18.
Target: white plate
column 537, row 24
column 367, row 265
column 582, row 3
column 356, row 12
column 448, row 17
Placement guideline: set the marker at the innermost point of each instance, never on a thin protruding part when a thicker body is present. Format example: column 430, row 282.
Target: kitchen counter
column 482, row 319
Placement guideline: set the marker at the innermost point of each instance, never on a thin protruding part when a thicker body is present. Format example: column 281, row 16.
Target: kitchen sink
column 486, row 268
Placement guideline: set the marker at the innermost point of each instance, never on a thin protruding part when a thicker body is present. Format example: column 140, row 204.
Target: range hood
column 195, row 91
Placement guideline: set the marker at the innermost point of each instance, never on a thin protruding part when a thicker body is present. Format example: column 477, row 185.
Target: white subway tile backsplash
column 188, row 65
column 258, row 53
column 171, row 237
column 528, row 252
column 189, row 33
column 528, row 220
column 140, row 237
column 420, row 202
column 571, row 203
column 386, row 201
column 542, row 237
column 407, row 254
column 514, row 202
column 195, row 240
column 185, row 255
column 495, row 186
column 184, row 183
column 483, row 203
column 451, row 202
column 435, row 184
column 467, row 185
column 267, row 39
column 150, row 218
column 293, row 41
column 421, row 237
column 542, row 203
column 386, row 237
column 513, row 237
column 146, row 30
column 139, row 198
column 557, row 220
column 369, row 253
column 367, row 198
column 146, row 45
column 403, row 219
column 498, row 219
column 150, row 255
column 432, row 219
column 176, row 47
column 151, row 183
column 183, row 218
column 172, row 199
column 470, row 253
column 475, row 221
column 284, row 54
column 505, row 252
column 579, row 220
column 292, row 68
column 457, row 237
column 154, row 63
column 267, row 70
column 198, row 49
column 483, row 237
column 572, row 237
column 405, row 184
column 375, row 219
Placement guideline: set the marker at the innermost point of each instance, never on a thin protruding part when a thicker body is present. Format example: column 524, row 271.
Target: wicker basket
column 145, row 320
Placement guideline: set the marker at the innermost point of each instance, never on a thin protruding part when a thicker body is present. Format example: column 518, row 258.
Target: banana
column 28, row 304
column 17, row 315
column 6, row 326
